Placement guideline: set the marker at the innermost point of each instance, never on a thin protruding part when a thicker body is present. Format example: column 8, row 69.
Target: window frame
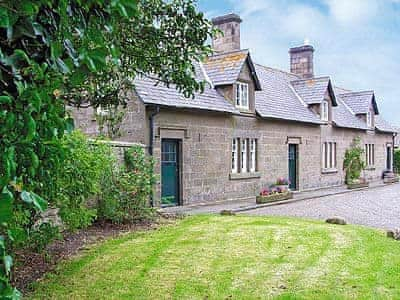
column 241, row 93
column 369, row 119
column 235, row 155
column 325, row 110
column 370, row 155
column 252, row 155
column 244, row 155
column 244, row 159
column 329, row 156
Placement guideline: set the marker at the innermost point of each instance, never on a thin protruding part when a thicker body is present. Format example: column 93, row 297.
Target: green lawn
column 238, row 257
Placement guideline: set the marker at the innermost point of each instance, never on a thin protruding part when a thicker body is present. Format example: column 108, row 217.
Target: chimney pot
column 229, row 40
column 302, row 61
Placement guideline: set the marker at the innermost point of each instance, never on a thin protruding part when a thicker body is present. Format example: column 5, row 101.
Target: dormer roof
column 313, row 90
column 360, row 102
column 225, row 68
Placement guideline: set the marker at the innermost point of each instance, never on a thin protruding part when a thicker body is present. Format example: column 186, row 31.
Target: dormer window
column 325, row 111
column 242, row 95
column 369, row 119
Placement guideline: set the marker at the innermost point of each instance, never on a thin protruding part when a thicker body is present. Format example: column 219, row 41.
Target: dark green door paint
column 169, row 172
column 389, row 158
column 293, row 166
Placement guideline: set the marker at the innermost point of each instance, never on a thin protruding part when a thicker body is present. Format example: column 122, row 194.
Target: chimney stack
column 302, row 61
column 229, row 40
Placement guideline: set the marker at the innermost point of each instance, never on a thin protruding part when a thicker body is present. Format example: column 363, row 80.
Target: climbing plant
column 81, row 53
column 353, row 163
column 397, row 161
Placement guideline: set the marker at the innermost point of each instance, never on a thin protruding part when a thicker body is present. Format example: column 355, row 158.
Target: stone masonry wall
column 206, row 139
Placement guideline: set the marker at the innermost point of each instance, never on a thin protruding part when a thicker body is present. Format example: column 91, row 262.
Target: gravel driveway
column 377, row 207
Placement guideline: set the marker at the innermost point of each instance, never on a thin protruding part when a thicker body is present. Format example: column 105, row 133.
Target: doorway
column 293, row 158
column 170, row 170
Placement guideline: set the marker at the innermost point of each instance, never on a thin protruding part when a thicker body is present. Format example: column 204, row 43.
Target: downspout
column 151, row 142
column 151, row 120
column 394, row 139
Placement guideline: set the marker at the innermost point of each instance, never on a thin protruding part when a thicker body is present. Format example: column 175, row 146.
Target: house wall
column 206, row 153
column 206, row 140
column 133, row 127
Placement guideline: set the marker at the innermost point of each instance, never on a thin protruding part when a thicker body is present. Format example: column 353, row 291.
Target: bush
column 79, row 179
column 126, row 192
column 397, row 161
column 353, row 162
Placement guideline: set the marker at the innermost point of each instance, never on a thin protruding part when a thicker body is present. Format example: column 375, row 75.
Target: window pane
column 244, row 156
column 234, row 156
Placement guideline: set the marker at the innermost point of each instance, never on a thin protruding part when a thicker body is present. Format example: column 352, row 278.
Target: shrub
column 79, row 179
column 397, row 161
column 353, row 162
column 126, row 192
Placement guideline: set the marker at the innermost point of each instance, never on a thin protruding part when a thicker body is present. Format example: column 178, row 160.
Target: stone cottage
column 251, row 125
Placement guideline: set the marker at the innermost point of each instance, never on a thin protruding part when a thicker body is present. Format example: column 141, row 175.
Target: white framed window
column 253, row 147
column 325, row 110
column 235, row 155
column 369, row 119
column 370, row 155
column 243, row 156
column 329, row 155
column 242, row 95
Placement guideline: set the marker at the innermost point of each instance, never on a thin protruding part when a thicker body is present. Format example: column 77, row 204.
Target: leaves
column 36, row 200
column 6, row 205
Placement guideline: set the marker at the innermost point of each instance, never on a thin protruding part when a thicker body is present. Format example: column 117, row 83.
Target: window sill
column 246, row 111
column 329, row 171
column 239, row 176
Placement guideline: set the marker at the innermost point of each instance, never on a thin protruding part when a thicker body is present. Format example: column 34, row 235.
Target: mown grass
column 238, row 257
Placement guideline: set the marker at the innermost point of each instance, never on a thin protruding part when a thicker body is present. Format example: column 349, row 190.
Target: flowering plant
column 265, row 192
column 282, row 181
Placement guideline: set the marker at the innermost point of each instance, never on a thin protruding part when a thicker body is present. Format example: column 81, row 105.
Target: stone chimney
column 302, row 61
column 229, row 40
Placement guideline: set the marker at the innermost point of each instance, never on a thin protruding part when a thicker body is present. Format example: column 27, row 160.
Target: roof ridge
column 313, row 78
column 358, row 92
column 276, row 69
column 228, row 52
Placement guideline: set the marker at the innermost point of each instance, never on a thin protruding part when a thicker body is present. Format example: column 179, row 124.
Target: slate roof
column 359, row 102
column 278, row 100
column 160, row 94
column 383, row 125
column 281, row 95
column 225, row 68
column 313, row 90
column 342, row 117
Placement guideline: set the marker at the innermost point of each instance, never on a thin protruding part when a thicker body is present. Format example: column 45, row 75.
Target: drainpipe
column 151, row 142
column 394, row 139
column 151, row 120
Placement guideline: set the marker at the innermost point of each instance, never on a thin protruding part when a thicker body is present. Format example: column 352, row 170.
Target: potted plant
column 353, row 165
column 274, row 193
column 283, row 183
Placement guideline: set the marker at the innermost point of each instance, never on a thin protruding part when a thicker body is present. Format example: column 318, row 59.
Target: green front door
column 169, row 172
column 293, row 166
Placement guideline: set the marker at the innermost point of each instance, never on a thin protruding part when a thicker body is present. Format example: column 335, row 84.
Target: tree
column 81, row 53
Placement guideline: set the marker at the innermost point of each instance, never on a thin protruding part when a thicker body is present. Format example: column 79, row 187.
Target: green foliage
column 79, row 179
column 126, row 192
column 397, row 161
column 80, row 53
column 353, row 162
column 40, row 237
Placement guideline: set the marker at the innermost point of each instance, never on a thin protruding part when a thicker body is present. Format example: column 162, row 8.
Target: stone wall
column 134, row 126
column 206, row 140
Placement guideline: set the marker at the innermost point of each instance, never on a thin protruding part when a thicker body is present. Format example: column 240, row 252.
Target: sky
column 357, row 42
